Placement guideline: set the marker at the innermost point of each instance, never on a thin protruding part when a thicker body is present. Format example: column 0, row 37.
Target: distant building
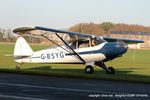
column 133, row 35
column 129, row 33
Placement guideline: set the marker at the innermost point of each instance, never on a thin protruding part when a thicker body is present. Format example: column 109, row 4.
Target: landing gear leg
column 109, row 70
column 18, row 66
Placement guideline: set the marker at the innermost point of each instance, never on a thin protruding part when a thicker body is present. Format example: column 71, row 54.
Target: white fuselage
column 58, row 55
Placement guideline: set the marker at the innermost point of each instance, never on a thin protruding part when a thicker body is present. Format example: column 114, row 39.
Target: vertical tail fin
column 22, row 49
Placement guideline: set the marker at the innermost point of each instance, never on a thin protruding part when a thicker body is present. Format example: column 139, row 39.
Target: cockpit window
column 87, row 43
column 83, row 44
column 96, row 41
column 73, row 45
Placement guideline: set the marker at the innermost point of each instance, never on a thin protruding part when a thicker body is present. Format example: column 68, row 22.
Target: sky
column 63, row 14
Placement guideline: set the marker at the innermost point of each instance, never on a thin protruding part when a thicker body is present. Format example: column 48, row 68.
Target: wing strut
column 71, row 48
column 55, row 43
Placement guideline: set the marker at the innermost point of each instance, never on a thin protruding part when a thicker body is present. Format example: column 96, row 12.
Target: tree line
column 105, row 28
column 6, row 35
column 102, row 29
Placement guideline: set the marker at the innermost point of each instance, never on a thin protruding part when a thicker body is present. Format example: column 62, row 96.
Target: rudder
column 22, row 49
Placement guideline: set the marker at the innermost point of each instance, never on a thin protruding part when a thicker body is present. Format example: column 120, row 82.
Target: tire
column 17, row 67
column 111, row 70
column 89, row 69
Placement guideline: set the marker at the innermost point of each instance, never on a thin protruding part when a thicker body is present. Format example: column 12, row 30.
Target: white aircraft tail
column 22, row 49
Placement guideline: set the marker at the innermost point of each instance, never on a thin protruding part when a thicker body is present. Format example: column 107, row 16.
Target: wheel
column 17, row 67
column 111, row 70
column 89, row 69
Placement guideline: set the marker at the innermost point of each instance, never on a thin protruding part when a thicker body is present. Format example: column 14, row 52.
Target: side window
column 83, row 44
column 73, row 45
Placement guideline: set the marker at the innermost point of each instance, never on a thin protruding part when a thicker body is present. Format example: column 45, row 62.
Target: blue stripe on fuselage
column 110, row 50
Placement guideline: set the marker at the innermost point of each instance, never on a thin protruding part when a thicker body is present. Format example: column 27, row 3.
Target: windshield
column 96, row 41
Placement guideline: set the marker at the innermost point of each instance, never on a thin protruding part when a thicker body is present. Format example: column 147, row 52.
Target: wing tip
column 25, row 28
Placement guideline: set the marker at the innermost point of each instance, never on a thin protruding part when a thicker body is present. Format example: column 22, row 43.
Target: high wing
column 129, row 41
column 51, row 33
column 66, row 35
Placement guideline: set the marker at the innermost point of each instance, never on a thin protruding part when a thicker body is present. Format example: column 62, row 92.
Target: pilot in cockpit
column 93, row 42
column 96, row 41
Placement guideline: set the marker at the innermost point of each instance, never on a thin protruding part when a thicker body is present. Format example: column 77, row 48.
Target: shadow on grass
column 98, row 74
column 49, row 68
column 79, row 73
column 42, row 68
column 131, row 68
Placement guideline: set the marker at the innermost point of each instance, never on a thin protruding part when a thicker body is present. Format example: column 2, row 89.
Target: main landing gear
column 18, row 66
column 89, row 69
column 109, row 70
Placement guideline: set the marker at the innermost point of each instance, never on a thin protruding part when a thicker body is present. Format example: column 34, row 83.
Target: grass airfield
column 133, row 66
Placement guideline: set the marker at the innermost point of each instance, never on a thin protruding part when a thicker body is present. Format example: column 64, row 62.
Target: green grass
column 133, row 66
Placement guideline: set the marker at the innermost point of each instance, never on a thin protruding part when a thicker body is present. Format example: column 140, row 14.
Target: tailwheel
column 110, row 70
column 89, row 69
column 18, row 66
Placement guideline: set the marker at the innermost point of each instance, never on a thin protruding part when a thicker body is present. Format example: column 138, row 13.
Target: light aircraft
column 76, row 48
